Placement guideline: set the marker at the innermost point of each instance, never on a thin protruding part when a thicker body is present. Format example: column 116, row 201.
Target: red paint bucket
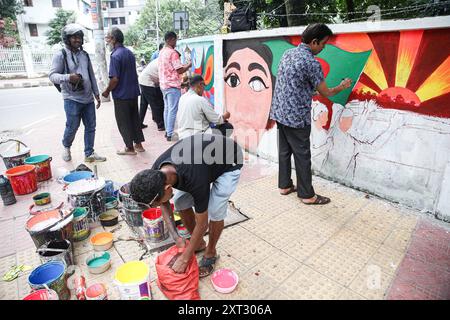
column 42, row 294
column 23, row 179
column 43, row 167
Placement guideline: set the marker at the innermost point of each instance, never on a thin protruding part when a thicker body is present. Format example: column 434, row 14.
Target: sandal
column 207, row 264
column 292, row 189
column 319, row 200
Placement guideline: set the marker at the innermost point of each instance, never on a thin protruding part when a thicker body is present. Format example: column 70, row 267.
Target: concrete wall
column 388, row 135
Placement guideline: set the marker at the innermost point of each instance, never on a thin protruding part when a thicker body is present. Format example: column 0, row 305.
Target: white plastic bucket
column 132, row 279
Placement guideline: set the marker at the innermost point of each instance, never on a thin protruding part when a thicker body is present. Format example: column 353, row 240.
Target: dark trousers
column 152, row 96
column 127, row 118
column 295, row 141
column 225, row 129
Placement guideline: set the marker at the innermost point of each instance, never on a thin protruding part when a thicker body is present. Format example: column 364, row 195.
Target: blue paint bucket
column 50, row 275
column 77, row 175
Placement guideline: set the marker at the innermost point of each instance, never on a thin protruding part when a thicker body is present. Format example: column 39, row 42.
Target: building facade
column 121, row 13
column 34, row 22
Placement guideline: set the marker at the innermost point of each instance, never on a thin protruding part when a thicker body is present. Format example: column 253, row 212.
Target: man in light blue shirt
column 155, row 54
column 73, row 75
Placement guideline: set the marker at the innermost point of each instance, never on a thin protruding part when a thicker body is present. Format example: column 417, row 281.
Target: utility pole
column 99, row 39
column 157, row 22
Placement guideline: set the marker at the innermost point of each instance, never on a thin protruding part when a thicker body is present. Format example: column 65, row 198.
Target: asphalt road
column 21, row 109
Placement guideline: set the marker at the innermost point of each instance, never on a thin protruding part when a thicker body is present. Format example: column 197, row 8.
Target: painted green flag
column 343, row 64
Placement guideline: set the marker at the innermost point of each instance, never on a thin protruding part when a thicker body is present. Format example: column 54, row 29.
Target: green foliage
column 336, row 11
column 203, row 20
column 10, row 8
column 62, row 17
column 9, row 36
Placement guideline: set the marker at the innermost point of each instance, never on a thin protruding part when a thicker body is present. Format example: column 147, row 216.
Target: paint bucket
column 52, row 275
column 16, row 157
column 42, row 199
column 77, row 176
column 23, row 179
column 125, row 198
column 109, row 188
column 43, row 166
column 133, row 281
column 81, row 230
column 133, row 216
column 97, row 292
column 88, row 193
column 49, row 225
column 42, row 294
column 56, row 250
column 154, row 225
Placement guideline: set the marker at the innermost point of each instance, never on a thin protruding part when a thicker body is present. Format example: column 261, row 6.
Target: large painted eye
column 257, row 84
column 232, row 80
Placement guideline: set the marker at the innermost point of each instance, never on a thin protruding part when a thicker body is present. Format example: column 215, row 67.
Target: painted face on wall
column 248, row 95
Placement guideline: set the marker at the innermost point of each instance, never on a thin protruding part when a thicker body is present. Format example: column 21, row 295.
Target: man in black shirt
column 204, row 169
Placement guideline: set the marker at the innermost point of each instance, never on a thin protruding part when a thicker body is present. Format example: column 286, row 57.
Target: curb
column 9, row 85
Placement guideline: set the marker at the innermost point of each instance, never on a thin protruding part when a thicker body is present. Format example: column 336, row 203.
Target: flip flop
column 319, row 200
column 208, row 265
column 292, row 189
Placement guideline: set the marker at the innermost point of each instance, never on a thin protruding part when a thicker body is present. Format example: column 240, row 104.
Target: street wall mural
column 202, row 56
column 391, row 129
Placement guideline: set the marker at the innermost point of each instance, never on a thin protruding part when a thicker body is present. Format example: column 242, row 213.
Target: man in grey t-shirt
column 72, row 72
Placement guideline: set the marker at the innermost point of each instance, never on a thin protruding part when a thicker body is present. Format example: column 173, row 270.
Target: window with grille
column 122, row 20
column 56, row 3
column 33, row 30
column 114, row 21
column 120, row 3
column 28, row 3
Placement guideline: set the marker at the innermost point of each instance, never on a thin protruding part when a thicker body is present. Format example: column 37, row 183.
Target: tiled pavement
column 357, row 247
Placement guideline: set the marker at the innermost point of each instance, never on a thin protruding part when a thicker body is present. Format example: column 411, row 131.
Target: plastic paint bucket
column 23, row 179
column 153, row 224
column 97, row 292
column 43, row 166
column 42, row 294
column 38, row 226
column 133, row 281
column 15, row 157
column 88, row 193
column 81, row 230
column 52, row 275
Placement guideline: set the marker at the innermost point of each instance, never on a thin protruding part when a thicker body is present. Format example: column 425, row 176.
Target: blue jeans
column 220, row 193
column 171, row 98
column 75, row 112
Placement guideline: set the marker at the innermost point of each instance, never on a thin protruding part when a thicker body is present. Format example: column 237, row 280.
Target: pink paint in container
column 224, row 280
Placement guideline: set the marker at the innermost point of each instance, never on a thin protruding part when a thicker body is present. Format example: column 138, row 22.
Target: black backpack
column 66, row 67
column 243, row 19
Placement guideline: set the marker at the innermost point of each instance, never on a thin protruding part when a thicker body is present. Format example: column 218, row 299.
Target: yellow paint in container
column 133, row 281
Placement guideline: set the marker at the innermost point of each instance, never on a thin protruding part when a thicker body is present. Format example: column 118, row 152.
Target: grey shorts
column 220, row 193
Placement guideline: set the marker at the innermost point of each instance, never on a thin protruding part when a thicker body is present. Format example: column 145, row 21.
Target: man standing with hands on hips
column 299, row 76
column 124, row 86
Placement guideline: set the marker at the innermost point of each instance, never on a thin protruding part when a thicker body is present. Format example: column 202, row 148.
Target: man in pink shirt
column 170, row 68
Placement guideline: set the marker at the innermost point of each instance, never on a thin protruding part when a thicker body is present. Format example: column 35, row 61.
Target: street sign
column 181, row 20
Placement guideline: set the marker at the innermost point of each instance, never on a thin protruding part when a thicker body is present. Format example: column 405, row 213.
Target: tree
column 280, row 13
column 10, row 8
column 203, row 20
column 9, row 37
column 62, row 17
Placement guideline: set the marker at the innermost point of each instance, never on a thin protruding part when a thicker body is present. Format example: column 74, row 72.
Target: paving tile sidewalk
column 357, row 247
